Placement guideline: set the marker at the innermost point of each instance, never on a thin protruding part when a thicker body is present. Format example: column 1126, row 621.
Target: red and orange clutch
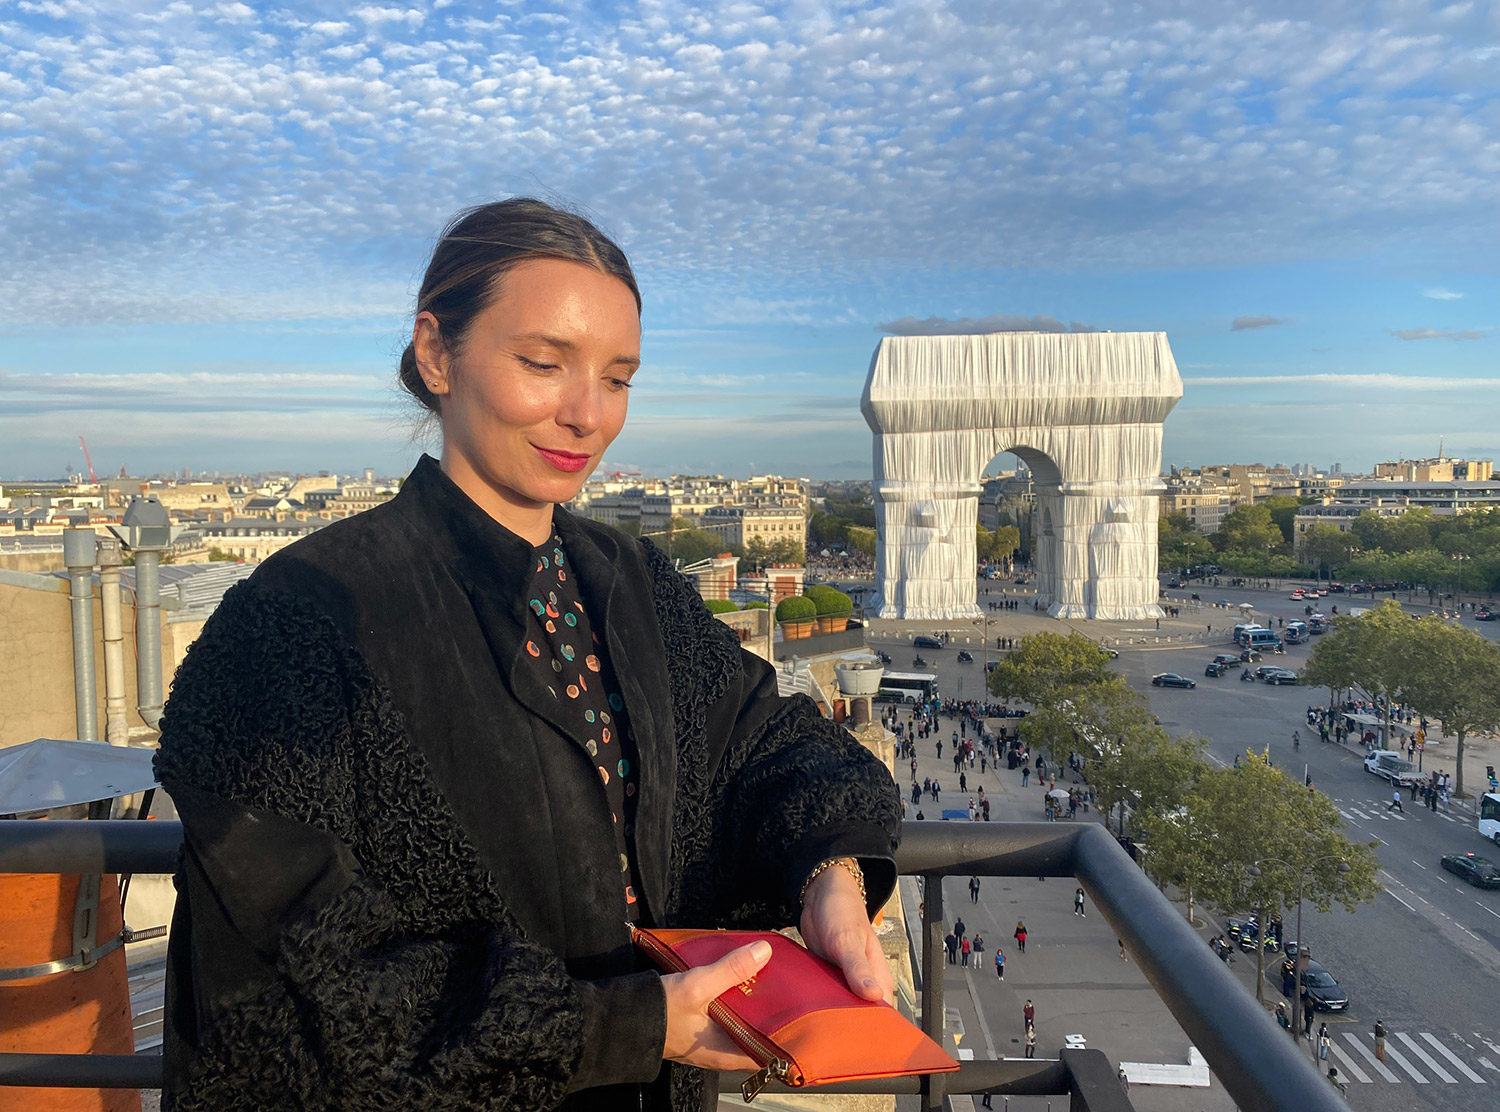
column 797, row 1016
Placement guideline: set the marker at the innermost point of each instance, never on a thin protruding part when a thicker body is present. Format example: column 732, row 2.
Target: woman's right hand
column 692, row 1037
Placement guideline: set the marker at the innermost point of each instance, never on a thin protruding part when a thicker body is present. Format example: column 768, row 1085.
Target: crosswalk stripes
column 1422, row 1054
column 1453, row 1058
column 1357, row 1057
column 1369, row 1057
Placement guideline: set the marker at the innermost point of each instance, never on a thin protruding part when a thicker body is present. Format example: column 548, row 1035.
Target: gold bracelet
column 848, row 864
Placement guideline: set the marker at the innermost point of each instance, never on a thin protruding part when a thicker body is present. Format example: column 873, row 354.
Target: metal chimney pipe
column 148, row 635
column 79, row 546
column 116, row 725
column 146, row 530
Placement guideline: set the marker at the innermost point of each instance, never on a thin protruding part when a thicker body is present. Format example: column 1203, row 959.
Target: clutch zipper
column 775, row 1066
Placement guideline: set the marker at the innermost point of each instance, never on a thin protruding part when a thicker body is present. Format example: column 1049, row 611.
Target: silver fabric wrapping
column 1083, row 410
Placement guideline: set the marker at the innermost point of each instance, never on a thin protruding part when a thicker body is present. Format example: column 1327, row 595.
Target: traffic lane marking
column 1368, row 1055
column 1422, row 1054
column 1448, row 1054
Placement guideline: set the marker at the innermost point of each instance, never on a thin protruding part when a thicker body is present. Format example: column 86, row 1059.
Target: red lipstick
column 570, row 462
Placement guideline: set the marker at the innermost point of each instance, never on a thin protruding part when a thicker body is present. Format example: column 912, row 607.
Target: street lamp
column 1302, row 951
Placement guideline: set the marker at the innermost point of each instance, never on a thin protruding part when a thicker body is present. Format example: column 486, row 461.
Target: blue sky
column 215, row 215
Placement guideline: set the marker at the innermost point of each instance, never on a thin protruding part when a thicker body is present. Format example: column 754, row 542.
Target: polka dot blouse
column 576, row 670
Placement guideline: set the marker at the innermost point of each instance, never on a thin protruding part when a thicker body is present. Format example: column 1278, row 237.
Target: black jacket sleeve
column 336, row 944
column 787, row 788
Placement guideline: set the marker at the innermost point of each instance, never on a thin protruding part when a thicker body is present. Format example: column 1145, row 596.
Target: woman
column 433, row 760
column 1020, row 936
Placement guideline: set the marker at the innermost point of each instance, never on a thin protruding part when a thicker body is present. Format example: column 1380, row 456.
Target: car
column 1226, row 659
column 1172, row 679
column 1478, row 871
column 1112, row 654
column 1248, row 656
column 1278, row 675
column 1298, row 595
column 964, row 657
column 1327, row 995
column 1486, row 616
column 923, row 641
column 1215, row 669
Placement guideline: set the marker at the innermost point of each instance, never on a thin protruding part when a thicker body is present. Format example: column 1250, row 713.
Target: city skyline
column 217, row 218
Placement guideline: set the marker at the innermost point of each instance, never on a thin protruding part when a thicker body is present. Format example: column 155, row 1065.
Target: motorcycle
column 918, row 662
column 1245, row 676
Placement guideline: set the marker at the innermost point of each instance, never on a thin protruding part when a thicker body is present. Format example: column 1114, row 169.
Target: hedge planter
column 833, row 608
column 796, row 615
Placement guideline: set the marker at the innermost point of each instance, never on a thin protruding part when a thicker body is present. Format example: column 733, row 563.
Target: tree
column 1283, row 510
column 1235, row 820
column 1049, row 668
column 1453, row 675
column 997, row 545
column 1327, row 548
column 1366, row 652
column 1249, row 528
column 862, row 540
column 1179, row 544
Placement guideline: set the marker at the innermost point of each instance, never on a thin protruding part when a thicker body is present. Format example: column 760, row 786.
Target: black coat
column 400, row 888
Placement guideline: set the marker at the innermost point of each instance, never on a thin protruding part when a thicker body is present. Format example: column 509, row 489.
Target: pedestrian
column 999, row 964
column 1395, row 803
column 1078, row 903
column 1025, row 776
column 985, row 1103
column 1020, row 936
column 1380, row 1040
column 1308, row 1014
column 963, row 782
column 959, row 928
column 964, row 947
column 1324, row 1042
column 1124, row 1079
column 950, row 943
column 973, row 889
column 1334, row 1080
column 1028, row 1015
column 1031, row 1042
column 1120, row 942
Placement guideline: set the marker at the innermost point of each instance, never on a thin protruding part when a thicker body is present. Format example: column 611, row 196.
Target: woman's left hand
column 835, row 926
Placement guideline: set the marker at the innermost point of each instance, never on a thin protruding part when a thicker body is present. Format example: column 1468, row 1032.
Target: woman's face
column 537, row 391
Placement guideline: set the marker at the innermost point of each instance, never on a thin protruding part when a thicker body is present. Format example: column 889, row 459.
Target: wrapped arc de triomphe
column 1083, row 410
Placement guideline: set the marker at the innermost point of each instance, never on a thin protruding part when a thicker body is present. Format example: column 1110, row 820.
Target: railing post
column 934, row 955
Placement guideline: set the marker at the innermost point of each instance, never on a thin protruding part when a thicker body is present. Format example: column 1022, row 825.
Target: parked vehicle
column 1478, row 871
column 1172, row 679
column 1392, row 766
column 1327, row 995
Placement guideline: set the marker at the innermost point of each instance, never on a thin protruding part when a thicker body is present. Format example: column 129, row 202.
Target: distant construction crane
column 92, row 477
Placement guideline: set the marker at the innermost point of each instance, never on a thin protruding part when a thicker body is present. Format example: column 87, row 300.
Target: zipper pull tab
column 752, row 1085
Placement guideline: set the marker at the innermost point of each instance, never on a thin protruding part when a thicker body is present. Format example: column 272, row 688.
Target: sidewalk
column 1071, row 970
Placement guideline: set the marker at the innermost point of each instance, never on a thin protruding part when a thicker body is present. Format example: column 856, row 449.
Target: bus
column 1489, row 816
column 909, row 687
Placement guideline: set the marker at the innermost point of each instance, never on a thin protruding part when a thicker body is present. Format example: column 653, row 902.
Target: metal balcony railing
column 1259, row 1066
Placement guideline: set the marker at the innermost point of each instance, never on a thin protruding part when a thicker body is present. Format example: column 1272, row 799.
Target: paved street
column 1424, row 956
